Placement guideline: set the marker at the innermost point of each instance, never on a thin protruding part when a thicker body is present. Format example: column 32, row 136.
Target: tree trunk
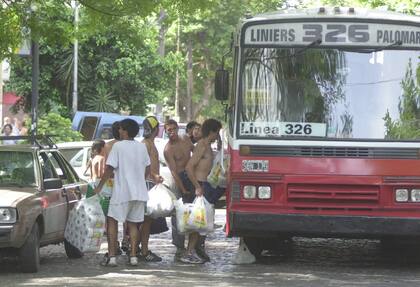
column 177, row 80
column 190, row 79
column 162, row 32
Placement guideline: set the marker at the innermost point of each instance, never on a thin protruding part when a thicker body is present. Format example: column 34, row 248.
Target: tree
column 59, row 127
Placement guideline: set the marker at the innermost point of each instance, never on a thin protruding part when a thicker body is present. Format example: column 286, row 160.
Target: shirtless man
column 151, row 129
column 198, row 168
column 177, row 152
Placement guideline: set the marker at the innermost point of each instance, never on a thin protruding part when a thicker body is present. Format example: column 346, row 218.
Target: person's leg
column 125, row 243
column 190, row 255
column 112, row 236
column 133, row 231
column 145, row 235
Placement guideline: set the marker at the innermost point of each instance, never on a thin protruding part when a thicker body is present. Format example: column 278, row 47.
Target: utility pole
column 35, row 86
column 75, row 6
column 177, row 81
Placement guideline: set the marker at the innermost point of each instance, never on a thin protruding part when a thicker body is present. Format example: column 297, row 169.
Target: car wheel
column 71, row 251
column 29, row 253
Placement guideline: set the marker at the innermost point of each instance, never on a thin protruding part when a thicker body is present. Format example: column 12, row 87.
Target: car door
column 53, row 200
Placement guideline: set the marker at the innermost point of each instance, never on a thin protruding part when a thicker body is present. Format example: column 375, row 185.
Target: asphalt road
column 306, row 262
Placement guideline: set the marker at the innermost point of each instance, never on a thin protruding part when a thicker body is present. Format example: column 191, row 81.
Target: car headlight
column 250, row 191
column 415, row 195
column 264, row 192
column 401, row 195
column 7, row 215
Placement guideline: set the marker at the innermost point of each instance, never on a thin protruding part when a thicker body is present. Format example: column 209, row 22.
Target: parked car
column 38, row 188
column 78, row 155
column 97, row 125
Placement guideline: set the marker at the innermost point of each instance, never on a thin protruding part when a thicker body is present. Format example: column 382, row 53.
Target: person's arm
column 109, row 171
column 170, row 161
column 198, row 153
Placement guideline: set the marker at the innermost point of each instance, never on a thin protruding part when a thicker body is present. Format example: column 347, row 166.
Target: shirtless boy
column 198, row 168
column 177, row 152
column 151, row 129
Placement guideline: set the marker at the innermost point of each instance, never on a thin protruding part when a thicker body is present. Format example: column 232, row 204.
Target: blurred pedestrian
column 193, row 131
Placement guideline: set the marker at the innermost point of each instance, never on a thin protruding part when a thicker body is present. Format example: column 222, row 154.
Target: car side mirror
column 53, row 183
column 221, row 85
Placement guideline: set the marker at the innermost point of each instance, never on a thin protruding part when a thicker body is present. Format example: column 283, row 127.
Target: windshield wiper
column 388, row 47
column 300, row 51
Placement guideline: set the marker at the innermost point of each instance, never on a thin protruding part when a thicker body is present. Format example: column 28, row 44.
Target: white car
column 78, row 155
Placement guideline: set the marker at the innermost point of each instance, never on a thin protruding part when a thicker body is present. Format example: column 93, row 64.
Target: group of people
column 13, row 128
column 132, row 168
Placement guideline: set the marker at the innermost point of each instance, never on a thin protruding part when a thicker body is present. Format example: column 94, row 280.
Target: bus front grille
column 332, row 196
column 339, row 152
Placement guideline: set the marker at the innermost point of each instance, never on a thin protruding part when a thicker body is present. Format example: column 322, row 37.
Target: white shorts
column 132, row 211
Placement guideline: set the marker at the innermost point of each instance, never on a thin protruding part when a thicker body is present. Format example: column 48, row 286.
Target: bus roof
column 337, row 12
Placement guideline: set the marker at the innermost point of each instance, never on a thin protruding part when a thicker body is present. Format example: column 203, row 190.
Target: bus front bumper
column 253, row 224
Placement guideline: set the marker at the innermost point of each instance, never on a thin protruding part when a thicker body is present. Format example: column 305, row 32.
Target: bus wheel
column 254, row 245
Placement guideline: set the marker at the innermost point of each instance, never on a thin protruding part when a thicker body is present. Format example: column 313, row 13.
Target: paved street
column 316, row 262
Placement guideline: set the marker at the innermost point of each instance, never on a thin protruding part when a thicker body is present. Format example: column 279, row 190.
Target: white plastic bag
column 201, row 218
column 217, row 175
column 86, row 225
column 161, row 202
column 183, row 212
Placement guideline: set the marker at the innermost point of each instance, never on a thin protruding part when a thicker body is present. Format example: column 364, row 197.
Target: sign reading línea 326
column 332, row 34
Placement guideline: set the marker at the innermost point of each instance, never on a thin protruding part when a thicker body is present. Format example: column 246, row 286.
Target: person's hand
column 199, row 191
column 97, row 190
column 157, row 179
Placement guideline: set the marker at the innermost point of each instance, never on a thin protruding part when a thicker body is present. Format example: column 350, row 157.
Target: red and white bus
column 323, row 133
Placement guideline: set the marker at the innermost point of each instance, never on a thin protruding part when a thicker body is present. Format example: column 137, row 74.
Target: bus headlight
column 264, row 192
column 401, row 195
column 415, row 195
column 250, row 191
column 7, row 215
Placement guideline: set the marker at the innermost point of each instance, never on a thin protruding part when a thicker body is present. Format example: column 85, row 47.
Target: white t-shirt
column 129, row 158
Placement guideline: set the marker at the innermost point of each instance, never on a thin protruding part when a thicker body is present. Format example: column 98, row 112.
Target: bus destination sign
column 333, row 34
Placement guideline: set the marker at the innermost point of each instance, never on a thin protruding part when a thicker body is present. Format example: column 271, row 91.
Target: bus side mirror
column 221, row 85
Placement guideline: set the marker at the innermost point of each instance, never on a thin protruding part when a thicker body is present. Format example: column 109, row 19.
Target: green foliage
column 60, row 127
column 408, row 125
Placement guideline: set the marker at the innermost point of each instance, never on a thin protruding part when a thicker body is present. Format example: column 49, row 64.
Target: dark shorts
column 211, row 194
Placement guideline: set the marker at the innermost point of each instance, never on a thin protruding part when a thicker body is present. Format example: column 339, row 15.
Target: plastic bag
column 86, row 225
column 161, row 202
column 217, row 175
column 183, row 212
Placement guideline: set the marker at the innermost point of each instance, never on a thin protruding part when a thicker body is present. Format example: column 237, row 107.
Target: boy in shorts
column 129, row 161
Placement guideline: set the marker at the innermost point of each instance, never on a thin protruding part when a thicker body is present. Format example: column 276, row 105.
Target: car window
column 88, row 127
column 77, row 159
column 71, row 175
column 106, row 133
column 48, row 170
column 53, row 167
column 69, row 153
column 17, row 168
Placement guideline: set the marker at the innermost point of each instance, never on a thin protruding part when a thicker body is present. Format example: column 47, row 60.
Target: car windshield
column 17, row 169
column 329, row 93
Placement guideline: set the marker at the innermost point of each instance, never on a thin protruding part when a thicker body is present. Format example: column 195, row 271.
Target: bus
column 323, row 128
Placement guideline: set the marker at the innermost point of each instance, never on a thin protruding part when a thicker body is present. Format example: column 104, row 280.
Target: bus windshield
column 329, row 93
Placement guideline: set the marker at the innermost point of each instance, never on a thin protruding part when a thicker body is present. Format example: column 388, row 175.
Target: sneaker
column 109, row 261
column 134, row 261
column 191, row 258
column 201, row 252
column 150, row 257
